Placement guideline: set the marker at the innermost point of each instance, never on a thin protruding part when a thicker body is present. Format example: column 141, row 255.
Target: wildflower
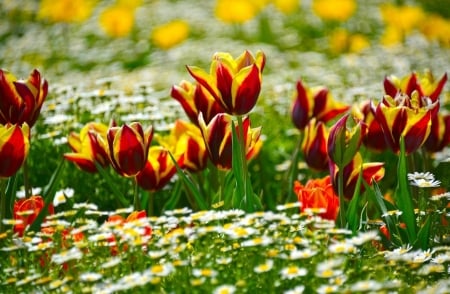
column 258, row 241
column 330, row 10
column 66, row 10
column 342, row 247
column 297, row 290
column 366, row 286
column 117, row 20
column 217, row 137
column 286, row 6
column 90, row 277
column 127, row 147
column 26, row 210
column 195, row 99
column 204, row 272
column 302, row 254
column 225, row 289
column 400, row 21
column 162, row 270
column 68, row 255
column 342, row 41
column 21, row 100
column 235, row 11
column 234, row 83
column 404, row 117
column 170, row 34
column 325, row 289
column 14, row 147
column 315, row 103
column 86, row 147
column 292, row 272
column 314, row 145
column 264, row 267
column 60, row 196
column 423, row 180
column 318, row 193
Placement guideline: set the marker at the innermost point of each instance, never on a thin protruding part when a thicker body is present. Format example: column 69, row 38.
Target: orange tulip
column 26, row 211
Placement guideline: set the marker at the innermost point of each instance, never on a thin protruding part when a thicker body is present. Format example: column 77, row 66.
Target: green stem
column 2, row 204
column 136, row 201
column 150, row 204
column 292, row 171
column 246, row 197
column 342, row 221
column 26, row 179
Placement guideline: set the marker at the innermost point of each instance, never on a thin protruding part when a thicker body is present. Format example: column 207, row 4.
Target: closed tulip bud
column 127, row 147
column 405, row 117
column 21, row 100
column 234, row 83
column 196, row 99
column 218, row 139
column 14, row 146
column 344, row 143
column 314, row 145
column 87, row 150
column 158, row 169
column 373, row 171
column 315, row 103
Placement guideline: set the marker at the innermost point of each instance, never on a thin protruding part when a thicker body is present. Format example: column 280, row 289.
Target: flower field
column 226, row 146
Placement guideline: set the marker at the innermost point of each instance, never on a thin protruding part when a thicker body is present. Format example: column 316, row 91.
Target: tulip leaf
column 403, row 195
column 190, row 186
column 352, row 216
column 423, row 236
column 237, row 163
column 174, row 197
column 112, row 186
column 11, row 188
column 47, row 195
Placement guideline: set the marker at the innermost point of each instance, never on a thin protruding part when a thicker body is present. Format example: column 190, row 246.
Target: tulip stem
column 150, row 204
column 246, row 197
column 136, row 201
column 2, row 204
column 293, row 171
column 342, row 221
column 26, row 179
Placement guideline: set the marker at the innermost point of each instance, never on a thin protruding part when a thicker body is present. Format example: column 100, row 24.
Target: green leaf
column 423, row 236
column 112, row 185
column 352, row 213
column 190, row 186
column 47, row 195
column 403, row 196
column 237, row 168
column 174, row 197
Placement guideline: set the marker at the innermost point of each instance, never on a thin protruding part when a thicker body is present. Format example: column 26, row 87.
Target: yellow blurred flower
column 170, row 34
column 334, row 10
column 129, row 3
column 237, row 11
column 117, row 20
column 66, row 10
column 341, row 41
column 286, row 6
column 391, row 36
column 404, row 18
column 436, row 28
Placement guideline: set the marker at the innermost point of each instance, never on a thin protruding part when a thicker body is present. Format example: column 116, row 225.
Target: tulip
column 86, row 147
column 218, row 139
column 343, row 143
column 373, row 171
column 196, row 99
column 314, row 145
column 21, row 100
column 14, row 146
column 315, row 103
column 402, row 116
column 439, row 136
column 127, row 147
column 374, row 138
column 318, row 194
column 158, row 169
column 26, row 211
column 185, row 138
column 234, row 83
column 426, row 86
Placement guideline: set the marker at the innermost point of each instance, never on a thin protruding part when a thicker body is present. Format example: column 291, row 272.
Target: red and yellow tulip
column 373, row 171
column 21, row 100
column 234, row 83
column 218, row 139
column 374, row 138
column 407, row 117
column 315, row 103
column 14, row 146
column 158, row 169
column 426, row 85
column 439, row 136
column 26, row 210
column 314, row 145
column 86, row 147
column 196, row 99
column 127, row 147
column 318, row 194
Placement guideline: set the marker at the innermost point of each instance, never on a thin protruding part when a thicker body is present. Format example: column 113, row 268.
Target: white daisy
column 423, row 180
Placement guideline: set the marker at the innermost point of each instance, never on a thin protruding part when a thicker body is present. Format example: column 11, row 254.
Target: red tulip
column 14, row 146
